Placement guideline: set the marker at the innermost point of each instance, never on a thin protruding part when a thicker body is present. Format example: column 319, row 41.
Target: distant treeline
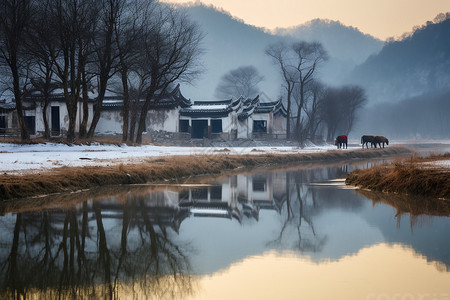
column 422, row 117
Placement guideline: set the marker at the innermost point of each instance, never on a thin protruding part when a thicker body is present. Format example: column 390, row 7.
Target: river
column 291, row 233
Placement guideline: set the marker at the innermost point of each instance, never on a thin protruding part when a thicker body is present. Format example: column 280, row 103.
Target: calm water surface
column 296, row 233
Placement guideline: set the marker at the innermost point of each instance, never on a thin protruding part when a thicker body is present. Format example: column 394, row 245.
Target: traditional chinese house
column 171, row 113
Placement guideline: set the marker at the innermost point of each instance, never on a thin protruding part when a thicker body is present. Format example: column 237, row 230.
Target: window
column 259, row 126
column 215, row 192
column 216, row 126
column 200, row 194
column 184, row 125
column 2, row 124
column 30, row 123
column 259, row 184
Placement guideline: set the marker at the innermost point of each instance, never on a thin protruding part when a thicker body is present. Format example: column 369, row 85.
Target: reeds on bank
column 413, row 176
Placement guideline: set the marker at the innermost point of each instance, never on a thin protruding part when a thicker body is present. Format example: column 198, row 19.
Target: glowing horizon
column 382, row 19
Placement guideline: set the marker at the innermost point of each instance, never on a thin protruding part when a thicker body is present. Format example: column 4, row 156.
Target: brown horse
column 341, row 141
column 381, row 140
column 366, row 139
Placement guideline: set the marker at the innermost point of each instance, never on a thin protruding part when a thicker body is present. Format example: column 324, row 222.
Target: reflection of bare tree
column 299, row 206
column 11, row 279
column 62, row 254
column 104, row 255
column 166, row 258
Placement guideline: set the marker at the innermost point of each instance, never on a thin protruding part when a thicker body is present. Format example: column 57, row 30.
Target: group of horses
column 374, row 141
column 341, row 141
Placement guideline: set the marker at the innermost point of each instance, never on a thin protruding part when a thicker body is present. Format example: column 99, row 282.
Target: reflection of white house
column 171, row 113
column 237, row 196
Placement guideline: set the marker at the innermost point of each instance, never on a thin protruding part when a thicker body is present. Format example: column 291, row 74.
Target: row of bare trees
column 137, row 47
column 311, row 105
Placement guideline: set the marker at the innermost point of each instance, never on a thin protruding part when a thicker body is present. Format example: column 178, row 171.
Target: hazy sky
column 380, row 18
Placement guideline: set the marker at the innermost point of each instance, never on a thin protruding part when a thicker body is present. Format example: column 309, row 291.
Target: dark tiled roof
column 7, row 106
column 168, row 100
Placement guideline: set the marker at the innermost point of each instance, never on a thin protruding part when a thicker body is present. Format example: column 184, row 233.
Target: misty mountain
column 230, row 43
column 415, row 65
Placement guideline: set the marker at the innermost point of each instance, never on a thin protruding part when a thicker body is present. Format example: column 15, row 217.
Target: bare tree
column 298, row 63
column 354, row 99
column 15, row 20
column 308, row 57
column 169, row 52
column 331, row 111
column 338, row 108
column 39, row 46
column 242, row 81
column 111, row 11
column 128, row 33
column 316, row 91
column 75, row 21
column 279, row 52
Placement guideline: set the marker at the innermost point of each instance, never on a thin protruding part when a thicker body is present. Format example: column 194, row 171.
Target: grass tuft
column 409, row 176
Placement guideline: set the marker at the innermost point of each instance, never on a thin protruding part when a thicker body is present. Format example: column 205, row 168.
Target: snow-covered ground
column 24, row 158
column 20, row 159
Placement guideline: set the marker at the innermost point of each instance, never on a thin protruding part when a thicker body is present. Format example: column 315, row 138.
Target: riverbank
column 57, row 171
column 419, row 176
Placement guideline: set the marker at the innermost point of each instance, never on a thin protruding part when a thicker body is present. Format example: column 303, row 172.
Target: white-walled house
column 238, row 119
column 225, row 119
column 163, row 115
column 172, row 113
column 33, row 111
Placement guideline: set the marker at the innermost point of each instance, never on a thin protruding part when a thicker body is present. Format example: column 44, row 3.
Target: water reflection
column 97, row 249
column 158, row 242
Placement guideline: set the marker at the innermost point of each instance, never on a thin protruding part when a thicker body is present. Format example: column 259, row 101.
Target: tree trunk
column 126, row 106
column 98, row 106
column 45, row 118
column 83, row 126
column 288, row 112
column 144, row 111
column 24, row 135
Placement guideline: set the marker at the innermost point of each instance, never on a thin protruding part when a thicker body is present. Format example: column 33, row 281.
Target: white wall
column 165, row 120
column 110, row 123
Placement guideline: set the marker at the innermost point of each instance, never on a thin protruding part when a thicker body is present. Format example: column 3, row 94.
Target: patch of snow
column 438, row 164
column 18, row 158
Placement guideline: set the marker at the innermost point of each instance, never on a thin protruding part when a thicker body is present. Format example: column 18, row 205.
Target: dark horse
column 366, row 139
column 381, row 140
column 341, row 141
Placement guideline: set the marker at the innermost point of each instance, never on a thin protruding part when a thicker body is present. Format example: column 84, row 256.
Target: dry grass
column 406, row 177
column 171, row 169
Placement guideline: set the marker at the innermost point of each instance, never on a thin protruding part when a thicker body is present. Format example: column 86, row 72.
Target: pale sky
column 380, row 18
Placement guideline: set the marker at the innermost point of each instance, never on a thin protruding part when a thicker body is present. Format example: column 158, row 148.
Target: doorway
column 55, row 129
column 199, row 129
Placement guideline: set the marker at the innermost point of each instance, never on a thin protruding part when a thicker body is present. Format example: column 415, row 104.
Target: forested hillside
column 417, row 64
